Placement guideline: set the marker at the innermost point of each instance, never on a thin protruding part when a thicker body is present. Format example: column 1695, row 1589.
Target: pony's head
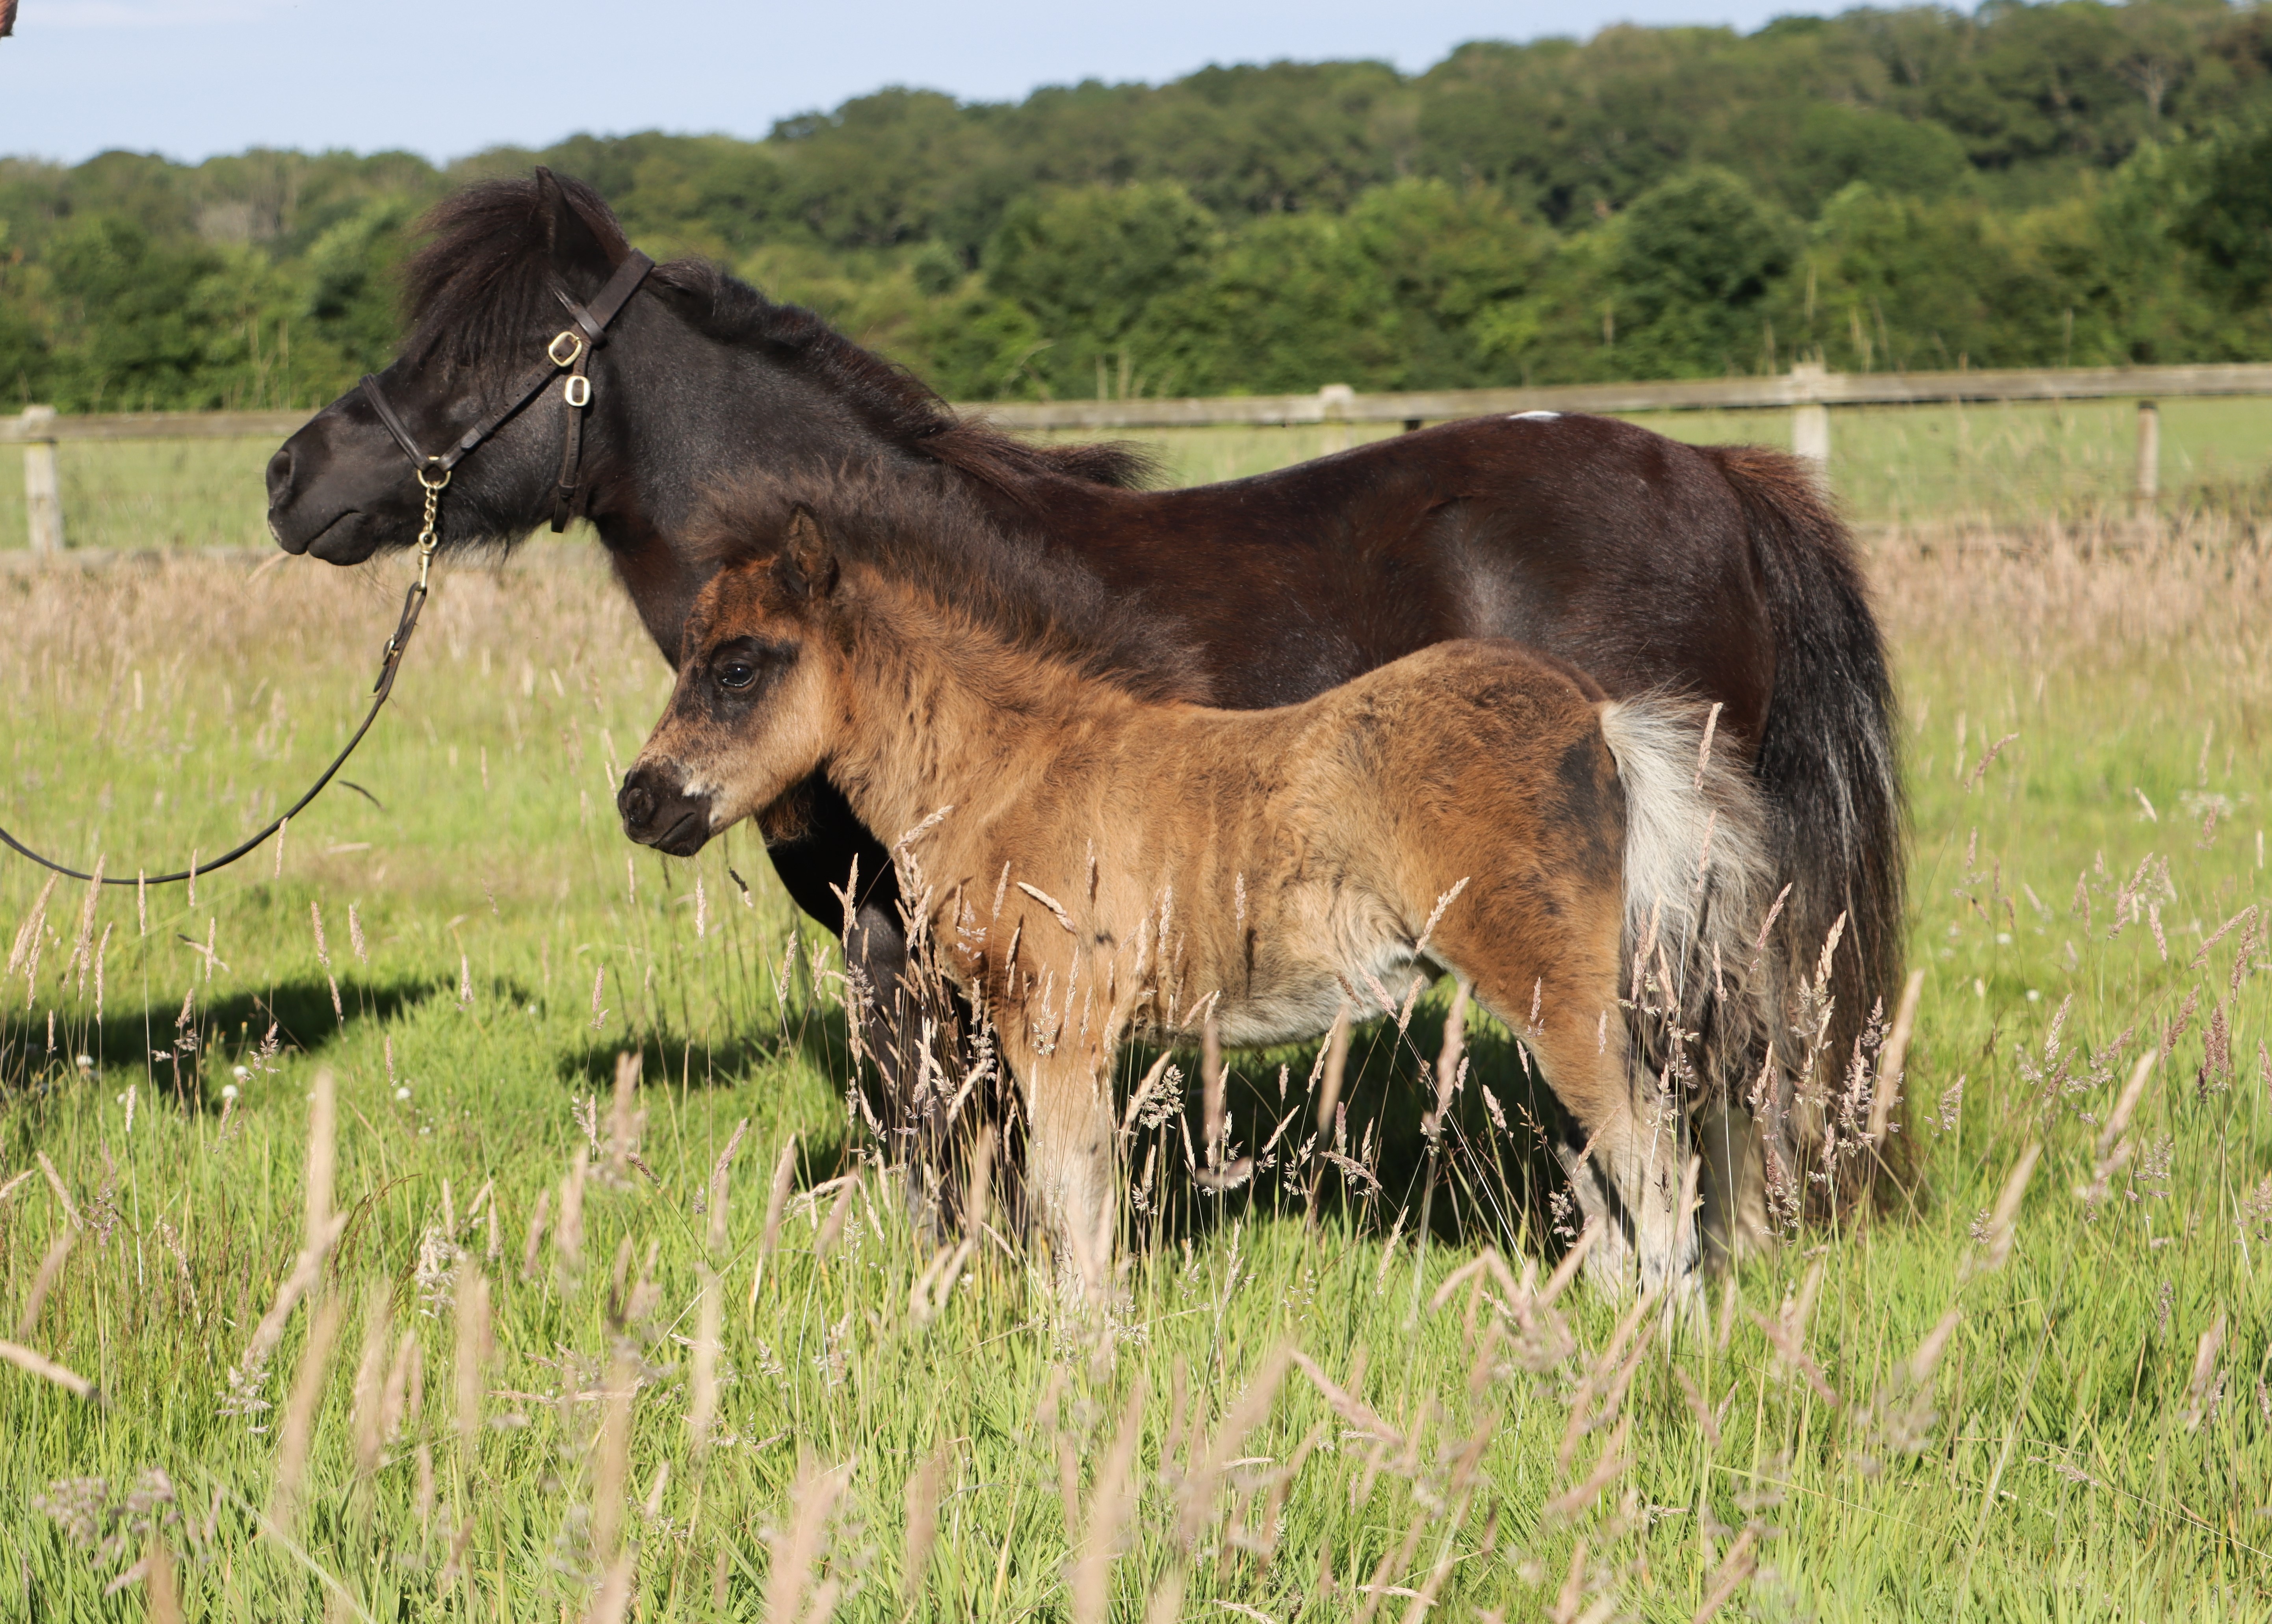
column 701, row 379
column 485, row 299
column 748, row 719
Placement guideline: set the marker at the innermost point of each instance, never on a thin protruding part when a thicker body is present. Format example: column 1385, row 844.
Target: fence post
column 1810, row 421
column 1333, row 402
column 2149, row 459
column 43, row 502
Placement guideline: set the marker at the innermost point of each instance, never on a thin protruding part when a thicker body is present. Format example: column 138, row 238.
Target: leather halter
column 569, row 352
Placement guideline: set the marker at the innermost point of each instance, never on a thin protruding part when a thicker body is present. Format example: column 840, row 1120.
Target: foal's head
column 748, row 719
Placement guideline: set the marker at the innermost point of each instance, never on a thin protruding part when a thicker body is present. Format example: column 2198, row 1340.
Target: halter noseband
column 569, row 352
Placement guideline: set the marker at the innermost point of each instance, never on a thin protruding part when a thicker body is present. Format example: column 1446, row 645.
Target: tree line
column 2065, row 183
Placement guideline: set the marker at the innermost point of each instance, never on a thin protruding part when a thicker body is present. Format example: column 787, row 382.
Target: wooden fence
column 1808, row 393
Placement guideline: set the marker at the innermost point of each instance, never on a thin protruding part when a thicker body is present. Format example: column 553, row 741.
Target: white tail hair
column 1698, row 874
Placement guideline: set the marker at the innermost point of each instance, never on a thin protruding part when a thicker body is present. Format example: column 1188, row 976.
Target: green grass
column 160, row 494
column 2064, row 1465
column 1890, row 465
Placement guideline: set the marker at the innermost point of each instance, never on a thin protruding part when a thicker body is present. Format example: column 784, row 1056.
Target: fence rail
column 1802, row 387
column 1807, row 392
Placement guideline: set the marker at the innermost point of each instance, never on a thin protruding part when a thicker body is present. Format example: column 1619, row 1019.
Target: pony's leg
column 1610, row 1260
column 1072, row 1170
column 828, row 849
column 1734, row 1219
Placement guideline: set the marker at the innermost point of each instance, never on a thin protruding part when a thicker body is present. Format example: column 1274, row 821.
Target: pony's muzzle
column 658, row 811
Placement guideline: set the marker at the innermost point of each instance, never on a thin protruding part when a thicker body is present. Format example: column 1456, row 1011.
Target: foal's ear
column 807, row 565
column 569, row 238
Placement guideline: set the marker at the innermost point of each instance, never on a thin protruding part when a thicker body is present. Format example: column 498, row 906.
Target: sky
column 190, row 78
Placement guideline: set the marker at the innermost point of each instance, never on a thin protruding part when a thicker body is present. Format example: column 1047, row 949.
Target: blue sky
column 192, row 78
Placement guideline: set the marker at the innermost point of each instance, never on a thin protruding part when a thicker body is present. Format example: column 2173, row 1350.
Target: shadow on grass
column 1491, row 1184
column 181, row 1043
column 814, row 1034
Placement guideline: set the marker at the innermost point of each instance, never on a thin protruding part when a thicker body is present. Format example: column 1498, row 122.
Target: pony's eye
column 738, row 674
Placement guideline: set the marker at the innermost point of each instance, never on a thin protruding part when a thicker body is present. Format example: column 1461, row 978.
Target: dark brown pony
column 1097, row 866
column 1717, row 573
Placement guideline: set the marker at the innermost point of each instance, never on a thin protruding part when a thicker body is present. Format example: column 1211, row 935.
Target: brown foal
column 1101, row 866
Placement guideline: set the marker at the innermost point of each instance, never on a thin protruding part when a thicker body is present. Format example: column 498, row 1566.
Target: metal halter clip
column 578, row 390
column 573, row 339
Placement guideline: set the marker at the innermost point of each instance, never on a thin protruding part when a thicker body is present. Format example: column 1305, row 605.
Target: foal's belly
column 1297, row 1003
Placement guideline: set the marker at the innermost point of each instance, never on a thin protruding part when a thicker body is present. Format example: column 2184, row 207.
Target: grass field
column 1891, row 465
column 574, row 1354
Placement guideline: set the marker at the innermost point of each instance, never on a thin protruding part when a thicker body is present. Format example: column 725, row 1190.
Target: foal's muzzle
column 657, row 811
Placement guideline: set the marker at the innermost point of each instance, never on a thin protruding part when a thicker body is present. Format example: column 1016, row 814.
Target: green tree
column 1087, row 263
column 1695, row 260
column 353, row 298
column 1295, row 301
column 127, row 339
column 2229, row 224
column 1827, row 146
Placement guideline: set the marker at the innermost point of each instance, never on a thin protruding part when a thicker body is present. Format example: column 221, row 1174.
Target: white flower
column 402, row 1093
column 229, row 1090
column 240, row 1074
column 86, row 1063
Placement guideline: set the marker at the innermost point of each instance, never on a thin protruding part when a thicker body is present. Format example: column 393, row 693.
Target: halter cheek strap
column 569, row 352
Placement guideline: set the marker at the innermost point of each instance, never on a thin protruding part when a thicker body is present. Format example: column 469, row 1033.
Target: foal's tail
column 1698, row 884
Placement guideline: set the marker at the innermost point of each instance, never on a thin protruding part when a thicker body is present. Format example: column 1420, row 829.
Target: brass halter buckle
column 573, row 340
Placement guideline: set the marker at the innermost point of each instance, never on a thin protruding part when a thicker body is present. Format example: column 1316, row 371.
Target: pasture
column 575, row 1351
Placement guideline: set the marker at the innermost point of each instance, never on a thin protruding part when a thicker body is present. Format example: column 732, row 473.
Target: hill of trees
column 2063, row 183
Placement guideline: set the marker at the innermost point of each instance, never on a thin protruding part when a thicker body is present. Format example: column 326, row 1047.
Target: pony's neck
column 939, row 705
column 704, row 411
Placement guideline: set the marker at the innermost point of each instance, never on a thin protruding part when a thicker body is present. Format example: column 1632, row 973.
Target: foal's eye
column 738, row 674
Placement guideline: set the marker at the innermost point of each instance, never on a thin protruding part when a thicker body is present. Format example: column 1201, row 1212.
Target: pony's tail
column 1699, row 874
column 1827, row 763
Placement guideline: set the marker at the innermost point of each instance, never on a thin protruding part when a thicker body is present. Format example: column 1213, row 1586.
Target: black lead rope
column 570, row 351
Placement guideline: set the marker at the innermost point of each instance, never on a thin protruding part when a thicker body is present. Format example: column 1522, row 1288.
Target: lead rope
column 390, row 662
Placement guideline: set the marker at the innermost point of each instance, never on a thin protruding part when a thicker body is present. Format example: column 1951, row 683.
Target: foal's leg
column 1628, row 1169
column 1073, row 1168
column 1636, row 1162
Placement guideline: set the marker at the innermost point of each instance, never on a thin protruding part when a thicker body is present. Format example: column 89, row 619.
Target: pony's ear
column 576, row 249
column 807, row 565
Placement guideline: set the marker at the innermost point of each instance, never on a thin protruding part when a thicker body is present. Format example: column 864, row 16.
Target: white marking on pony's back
column 1532, row 417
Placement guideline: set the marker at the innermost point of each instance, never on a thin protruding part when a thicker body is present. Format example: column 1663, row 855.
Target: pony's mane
column 485, row 280
column 932, row 537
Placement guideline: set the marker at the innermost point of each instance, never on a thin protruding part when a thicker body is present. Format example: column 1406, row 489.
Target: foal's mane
column 932, row 536
column 485, row 280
